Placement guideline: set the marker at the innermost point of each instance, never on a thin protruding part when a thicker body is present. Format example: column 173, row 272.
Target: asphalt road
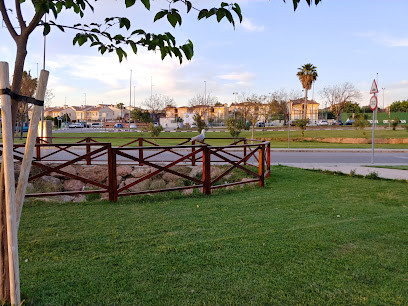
column 278, row 156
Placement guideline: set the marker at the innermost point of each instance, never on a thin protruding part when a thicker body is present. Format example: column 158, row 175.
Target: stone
column 67, row 198
column 69, row 169
column 94, row 173
column 73, row 185
column 196, row 171
column 51, row 179
column 168, row 177
column 188, row 191
column 141, row 171
column 215, row 172
column 123, row 170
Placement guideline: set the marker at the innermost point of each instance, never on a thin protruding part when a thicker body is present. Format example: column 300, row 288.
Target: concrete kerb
column 357, row 169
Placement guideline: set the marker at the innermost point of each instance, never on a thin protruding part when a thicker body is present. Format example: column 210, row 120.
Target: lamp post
column 205, row 92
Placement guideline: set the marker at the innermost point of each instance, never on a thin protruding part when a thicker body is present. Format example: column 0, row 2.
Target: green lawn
column 279, row 138
column 306, row 238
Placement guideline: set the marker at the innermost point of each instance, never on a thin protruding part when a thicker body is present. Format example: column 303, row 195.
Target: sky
column 347, row 40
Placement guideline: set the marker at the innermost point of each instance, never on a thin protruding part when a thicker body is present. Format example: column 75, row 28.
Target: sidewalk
column 357, row 168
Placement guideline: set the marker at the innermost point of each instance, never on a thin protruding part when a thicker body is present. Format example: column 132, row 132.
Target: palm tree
column 307, row 75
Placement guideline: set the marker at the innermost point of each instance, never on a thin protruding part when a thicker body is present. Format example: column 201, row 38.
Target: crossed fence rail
column 252, row 158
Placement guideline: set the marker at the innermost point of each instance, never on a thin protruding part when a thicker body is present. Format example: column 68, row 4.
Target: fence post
column 193, row 158
column 88, row 150
column 140, row 151
column 206, row 170
column 112, row 178
column 261, row 169
column 38, row 148
column 268, row 158
column 245, row 150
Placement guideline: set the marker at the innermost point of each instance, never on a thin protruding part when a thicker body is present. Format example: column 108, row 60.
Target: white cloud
column 241, row 78
column 249, row 26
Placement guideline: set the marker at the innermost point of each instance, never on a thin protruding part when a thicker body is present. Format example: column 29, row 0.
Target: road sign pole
column 372, row 141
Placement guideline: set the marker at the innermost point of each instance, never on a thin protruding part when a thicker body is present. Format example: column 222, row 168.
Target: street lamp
column 85, row 107
column 235, row 94
column 383, row 95
column 205, row 92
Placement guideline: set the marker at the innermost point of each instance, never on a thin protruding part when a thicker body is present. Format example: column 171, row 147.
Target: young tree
column 339, row 95
column 280, row 102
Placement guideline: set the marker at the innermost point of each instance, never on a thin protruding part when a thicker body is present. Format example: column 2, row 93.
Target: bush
column 234, row 126
column 301, row 123
column 155, row 130
column 360, row 121
column 395, row 123
column 199, row 123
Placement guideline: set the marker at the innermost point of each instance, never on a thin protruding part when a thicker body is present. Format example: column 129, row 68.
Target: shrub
column 155, row 130
column 361, row 122
column 92, row 197
column 373, row 176
column 301, row 123
column 234, row 126
column 199, row 123
column 395, row 123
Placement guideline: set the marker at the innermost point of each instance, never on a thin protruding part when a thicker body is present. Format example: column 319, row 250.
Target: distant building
column 296, row 110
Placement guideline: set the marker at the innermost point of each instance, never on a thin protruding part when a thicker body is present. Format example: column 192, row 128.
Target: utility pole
column 205, row 92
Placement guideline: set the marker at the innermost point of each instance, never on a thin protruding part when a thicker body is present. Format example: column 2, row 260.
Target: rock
column 51, row 179
column 79, row 198
column 73, row 185
column 141, row 171
column 144, row 185
column 67, row 198
column 188, row 191
column 168, row 177
column 157, row 184
column 196, row 171
column 215, row 172
column 123, row 170
column 94, row 172
column 69, row 169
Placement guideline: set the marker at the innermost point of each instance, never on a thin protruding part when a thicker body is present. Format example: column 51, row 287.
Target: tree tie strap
column 24, row 99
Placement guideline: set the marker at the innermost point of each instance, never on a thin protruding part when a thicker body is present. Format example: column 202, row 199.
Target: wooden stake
column 30, row 144
column 9, row 183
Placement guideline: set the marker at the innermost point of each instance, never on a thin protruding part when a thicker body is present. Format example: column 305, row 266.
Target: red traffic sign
column 374, row 88
column 373, row 103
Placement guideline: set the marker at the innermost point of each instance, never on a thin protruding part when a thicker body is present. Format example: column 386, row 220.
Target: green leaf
column 129, row 3
column 172, row 18
column 220, row 14
column 160, row 15
column 47, row 29
column 237, row 9
column 189, row 6
column 203, row 13
column 124, row 22
column 133, row 45
column 229, row 17
column 146, row 4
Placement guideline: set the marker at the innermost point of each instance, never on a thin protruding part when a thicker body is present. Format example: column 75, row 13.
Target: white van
column 97, row 125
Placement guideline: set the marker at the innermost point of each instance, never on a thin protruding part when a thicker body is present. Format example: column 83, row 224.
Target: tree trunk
column 305, row 106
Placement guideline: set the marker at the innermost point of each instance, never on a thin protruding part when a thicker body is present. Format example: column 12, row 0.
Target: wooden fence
column 252, row 158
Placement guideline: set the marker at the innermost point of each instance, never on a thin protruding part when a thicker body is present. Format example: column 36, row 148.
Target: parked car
column 349, row 122
column 260, row 124
column 132, row 126
column 322, row 122
column 76, row 125
column 97, row 125
column 193, row 125
column 335, row 122
column 118, row 126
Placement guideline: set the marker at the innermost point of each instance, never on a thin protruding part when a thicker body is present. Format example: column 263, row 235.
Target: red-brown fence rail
column 253, row 159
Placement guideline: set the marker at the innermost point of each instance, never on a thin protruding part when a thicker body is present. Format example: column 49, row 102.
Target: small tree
column 199, row 123
column 361, row 122
column 301, row 123
column 155, row 130
column 235, row 127
column 395, row 123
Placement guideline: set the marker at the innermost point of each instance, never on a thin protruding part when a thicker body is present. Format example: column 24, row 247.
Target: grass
column 391, row 167
column 279, row 138
column 306, row 238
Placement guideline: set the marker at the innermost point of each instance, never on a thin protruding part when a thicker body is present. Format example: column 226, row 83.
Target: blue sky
column 347, row 40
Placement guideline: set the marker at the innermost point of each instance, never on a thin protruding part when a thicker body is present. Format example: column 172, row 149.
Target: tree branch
column 20, row 16
column 7, row 21
column 34, row 22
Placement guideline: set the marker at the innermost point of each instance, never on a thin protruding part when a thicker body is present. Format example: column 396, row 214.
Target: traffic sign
column 373, row 103
column 374, row 88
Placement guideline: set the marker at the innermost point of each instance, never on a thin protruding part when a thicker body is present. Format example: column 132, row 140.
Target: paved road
column 278, row 156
